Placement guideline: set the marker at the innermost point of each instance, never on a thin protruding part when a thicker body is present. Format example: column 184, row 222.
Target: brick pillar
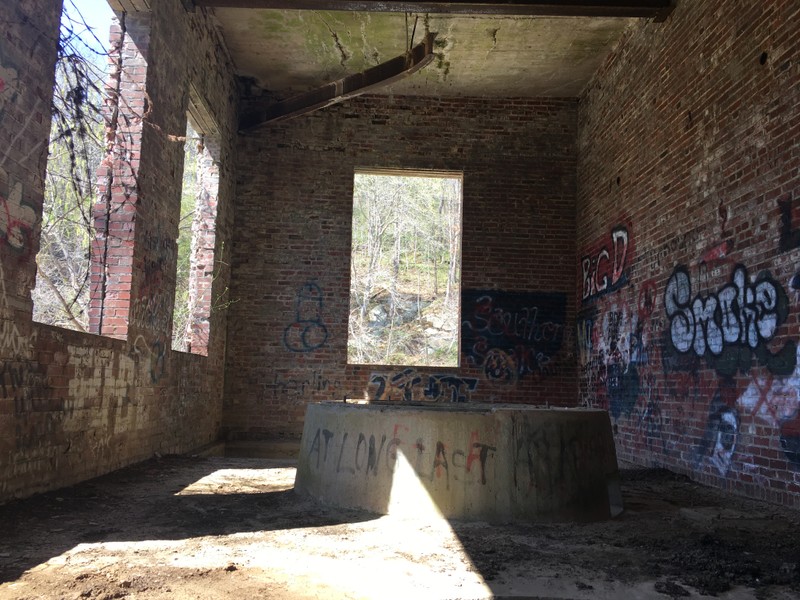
column 115, row 210
column 201, row 272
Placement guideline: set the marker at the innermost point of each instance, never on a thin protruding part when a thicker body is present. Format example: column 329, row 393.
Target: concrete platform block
column 499, row 463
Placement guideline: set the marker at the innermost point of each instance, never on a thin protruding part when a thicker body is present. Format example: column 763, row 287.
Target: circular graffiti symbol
column 305, row 336
column 308, row 332
column 499, row 366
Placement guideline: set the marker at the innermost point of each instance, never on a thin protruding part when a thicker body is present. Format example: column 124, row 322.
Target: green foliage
column 405, row 270
column 189, row 193
column 61, row 294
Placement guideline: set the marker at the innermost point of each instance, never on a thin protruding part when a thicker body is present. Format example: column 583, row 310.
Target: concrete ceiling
column 292, row 51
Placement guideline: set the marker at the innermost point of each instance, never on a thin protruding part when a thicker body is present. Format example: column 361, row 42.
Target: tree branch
column 61, row 299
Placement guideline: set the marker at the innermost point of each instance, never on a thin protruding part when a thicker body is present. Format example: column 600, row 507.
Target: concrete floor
column 221, row 527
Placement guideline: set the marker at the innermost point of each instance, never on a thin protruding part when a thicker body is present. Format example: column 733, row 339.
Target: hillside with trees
column 405, row 270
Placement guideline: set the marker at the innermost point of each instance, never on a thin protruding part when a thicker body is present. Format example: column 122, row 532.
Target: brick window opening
column 61, row 295
column 196, row 233
column 405, row 268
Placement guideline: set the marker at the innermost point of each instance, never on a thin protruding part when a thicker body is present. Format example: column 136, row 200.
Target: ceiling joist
column 348, row 87
column 654, row 9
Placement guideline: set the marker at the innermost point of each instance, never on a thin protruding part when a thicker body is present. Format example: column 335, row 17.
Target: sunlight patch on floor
column 242, row 481
column 413, row 555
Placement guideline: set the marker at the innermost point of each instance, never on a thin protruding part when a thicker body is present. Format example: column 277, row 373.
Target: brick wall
column 688, row 216
column 293, row 222
column 75, row 405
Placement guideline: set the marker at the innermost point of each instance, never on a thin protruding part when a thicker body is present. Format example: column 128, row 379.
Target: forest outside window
column 196, row 232
column 61, row 295
column 405, row 268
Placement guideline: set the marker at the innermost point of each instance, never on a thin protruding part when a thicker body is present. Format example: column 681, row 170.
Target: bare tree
column 395, row 279
column 61, row 294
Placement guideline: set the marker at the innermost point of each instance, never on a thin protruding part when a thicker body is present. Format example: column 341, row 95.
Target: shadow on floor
column 153, row 500
column 673, row 535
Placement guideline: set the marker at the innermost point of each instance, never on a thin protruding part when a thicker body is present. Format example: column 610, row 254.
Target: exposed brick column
column 115, row 210
column 201, row 273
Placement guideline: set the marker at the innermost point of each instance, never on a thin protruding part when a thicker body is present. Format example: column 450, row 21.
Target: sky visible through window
column 61, row 295
column 97, row 15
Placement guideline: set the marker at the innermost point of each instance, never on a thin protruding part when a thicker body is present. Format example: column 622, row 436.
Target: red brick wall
column 75, row 405
column 689, row 139
column 293, row 221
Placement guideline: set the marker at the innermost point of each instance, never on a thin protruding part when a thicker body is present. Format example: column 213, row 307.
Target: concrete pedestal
column 499, row 463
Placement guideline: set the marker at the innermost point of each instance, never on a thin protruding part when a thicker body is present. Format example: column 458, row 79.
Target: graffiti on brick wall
column 789, row 235
column 11, row 91
column 23, row 382
column 38, row 429
column 12, row 342
column 718, row 443
column 712, row 347
column 619, row 341
column 613, row 346
column 654, row 260
column 151, row 308
column 353, row 453
column 307, row 332
column 612, row 341
column 726, row 327
column 9, row 84
column 38, row 411
column 512, row 334
column 409, row 385
column 790, row 439
column 100, row 371
column 298, row 389
column 621, row 375
column 151, row 311
column 775, row 401
column 153, row 355
column 604, row 269
column 650, row 425
column 17, row 219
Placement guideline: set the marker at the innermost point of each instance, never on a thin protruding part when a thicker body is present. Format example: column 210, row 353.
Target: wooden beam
column 351, row 86
column 655, row 9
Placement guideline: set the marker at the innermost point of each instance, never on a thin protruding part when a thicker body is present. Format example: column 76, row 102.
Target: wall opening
column 61, row 295
column 405, row 268
column 196, row 233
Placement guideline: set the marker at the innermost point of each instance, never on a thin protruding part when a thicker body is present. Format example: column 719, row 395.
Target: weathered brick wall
column 292, row 248
column 688, row 178
column 75, row 405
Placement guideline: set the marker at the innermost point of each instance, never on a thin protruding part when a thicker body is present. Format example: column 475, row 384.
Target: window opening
column 61, row 295
column 196, row 234
column 405, row 268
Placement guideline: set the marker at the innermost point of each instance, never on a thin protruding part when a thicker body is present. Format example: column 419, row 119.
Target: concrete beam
column 130, row 6
column 343, row 89
column 655, row 9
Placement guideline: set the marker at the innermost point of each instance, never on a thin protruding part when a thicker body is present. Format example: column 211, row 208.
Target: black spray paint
column 728, row 326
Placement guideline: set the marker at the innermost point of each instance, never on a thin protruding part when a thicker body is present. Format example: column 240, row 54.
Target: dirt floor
column 181, row 527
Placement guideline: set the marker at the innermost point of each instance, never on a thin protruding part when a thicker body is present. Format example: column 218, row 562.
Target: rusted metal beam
column 655, row 9
column 343, row 89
